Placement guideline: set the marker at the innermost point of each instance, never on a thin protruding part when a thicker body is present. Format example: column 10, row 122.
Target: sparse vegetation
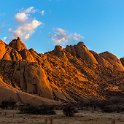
column 69, row 110
column 8, row 104
column 109, row 106
column 44, row 109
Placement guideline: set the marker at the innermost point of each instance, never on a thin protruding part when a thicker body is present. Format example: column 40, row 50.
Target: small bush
column 69, row 111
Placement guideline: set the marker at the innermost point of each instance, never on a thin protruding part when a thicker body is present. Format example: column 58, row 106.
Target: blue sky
column 99, row 23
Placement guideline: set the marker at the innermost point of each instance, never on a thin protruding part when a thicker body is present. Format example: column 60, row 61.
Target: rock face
column 2, row 49
column 113, row 60
column 81, row 51
column 17, row 44
column 68, row 74
column 7, row 92
column 26, row 55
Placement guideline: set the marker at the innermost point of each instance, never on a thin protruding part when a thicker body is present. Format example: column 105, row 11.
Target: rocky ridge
column 70, row 74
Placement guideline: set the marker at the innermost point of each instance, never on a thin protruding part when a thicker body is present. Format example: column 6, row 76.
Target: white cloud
column 25, row 30
column 26, row 25
column 21, row 17
column 61, row 36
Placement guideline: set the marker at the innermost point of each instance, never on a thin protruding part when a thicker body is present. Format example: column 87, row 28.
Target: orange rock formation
column 71, row 74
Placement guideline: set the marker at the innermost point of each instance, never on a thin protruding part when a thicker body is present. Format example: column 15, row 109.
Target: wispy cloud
column 5, row 39
column 60, row 36
column 29, row 10
column 77, row 36
column 26, row 25
column 42, row 12
column 23, row 15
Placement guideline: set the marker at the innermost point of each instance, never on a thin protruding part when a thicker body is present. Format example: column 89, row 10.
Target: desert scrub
column 69, row 110
column 43, row 110
column 8, row 104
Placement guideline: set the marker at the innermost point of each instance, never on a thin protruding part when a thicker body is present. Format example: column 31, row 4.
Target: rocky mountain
column 70, row 74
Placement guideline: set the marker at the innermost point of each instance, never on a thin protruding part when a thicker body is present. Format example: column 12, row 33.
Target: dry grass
column 12, row 117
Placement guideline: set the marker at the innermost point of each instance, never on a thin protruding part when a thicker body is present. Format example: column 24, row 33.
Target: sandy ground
column 12, row 117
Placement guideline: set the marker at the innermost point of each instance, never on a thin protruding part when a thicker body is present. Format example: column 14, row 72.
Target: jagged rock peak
column 58, row 48
column 59, row 51
column 81, row 44
column 17, row 44
column 108, row 55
